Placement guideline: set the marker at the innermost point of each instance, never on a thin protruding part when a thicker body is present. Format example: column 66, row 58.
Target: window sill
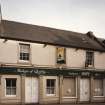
column 10, row 95
column 50, row 95
column 24, row 62
column 98, row 96
column 69, row 97
column 89, row 67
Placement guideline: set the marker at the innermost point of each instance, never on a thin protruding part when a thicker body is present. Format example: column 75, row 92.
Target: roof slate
column 40, row 34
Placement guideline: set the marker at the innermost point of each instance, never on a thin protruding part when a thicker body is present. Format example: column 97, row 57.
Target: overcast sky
column 74, row 15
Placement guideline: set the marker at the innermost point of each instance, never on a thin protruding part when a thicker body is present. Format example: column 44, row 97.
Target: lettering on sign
column 73, row 73
column 32, row 71
column 85, row 73
column 99, row 74
column 96, row 74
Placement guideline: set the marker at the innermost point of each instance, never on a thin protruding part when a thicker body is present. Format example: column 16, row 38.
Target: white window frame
column 50, row 87
column 103, row 89
column 6, row 88
column 21, row 60
column 87, row 62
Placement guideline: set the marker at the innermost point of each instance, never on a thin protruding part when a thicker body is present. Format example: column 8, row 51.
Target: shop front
column 85, row 86
column 84, row 90
column 98, row 87
column 43, row 85
column 19, row 85
column 31, row 90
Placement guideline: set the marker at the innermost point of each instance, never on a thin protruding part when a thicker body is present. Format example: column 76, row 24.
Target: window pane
column 48, row 91
column 48, row 83
column 14, row 83
column 11, row 86
column 24, row 52
column 89, row 58
column 8, row 91
column 52, row 83
column 8, row 82
column 52, row 90
column 24, row 48
column 13, row 91
column 50, row 86
column 98, row 87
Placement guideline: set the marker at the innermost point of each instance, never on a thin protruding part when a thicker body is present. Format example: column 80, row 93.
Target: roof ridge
column 92, row 36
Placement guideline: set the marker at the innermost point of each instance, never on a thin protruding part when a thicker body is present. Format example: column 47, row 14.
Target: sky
column 74, row 15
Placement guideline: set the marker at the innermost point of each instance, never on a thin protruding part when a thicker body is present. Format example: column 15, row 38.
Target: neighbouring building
column 45, row 65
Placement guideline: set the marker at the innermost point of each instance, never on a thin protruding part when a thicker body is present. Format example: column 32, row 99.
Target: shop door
column 84, row 89
column 31, row 90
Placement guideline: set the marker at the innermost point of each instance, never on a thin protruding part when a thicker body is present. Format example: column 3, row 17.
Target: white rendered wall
column 46, row 55
column 43, row 55
column 8, row 51
column 99, row 60
column 75, row 58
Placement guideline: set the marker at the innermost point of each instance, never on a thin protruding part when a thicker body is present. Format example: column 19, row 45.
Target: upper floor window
column 89, row 58
column 61, row 55
column 24, row 52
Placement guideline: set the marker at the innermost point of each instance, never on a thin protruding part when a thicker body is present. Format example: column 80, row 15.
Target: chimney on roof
column 91, row 35
column 104, row 41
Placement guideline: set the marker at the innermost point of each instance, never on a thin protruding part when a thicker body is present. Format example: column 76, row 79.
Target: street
column 61, row 104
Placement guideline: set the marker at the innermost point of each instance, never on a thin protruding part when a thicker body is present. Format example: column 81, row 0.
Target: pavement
column 61, row 104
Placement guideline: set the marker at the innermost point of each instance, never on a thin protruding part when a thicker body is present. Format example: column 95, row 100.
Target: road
column 60, row 104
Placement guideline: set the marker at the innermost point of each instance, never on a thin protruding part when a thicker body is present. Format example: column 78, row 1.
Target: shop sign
column 36, row 71
column 32, row 71
column 85, row 74
column 98, row 74
column 72, row 73
column 60, row 55
column 42, row 71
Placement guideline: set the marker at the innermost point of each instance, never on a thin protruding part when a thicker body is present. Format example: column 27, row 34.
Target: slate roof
column 40, row 34
column 102, row 40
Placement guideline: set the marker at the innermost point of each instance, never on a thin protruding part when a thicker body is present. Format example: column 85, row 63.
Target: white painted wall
column 8, row 51
column 46, row 56
column 43, row 55
column 75, row 58
column 99, row 60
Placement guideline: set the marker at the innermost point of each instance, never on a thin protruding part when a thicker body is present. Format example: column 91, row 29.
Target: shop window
column 69, row 87
column 10, row 87
column 98, row 87
column 50, row 87
column 89, row 59
column 24, row 52
column 61, row 55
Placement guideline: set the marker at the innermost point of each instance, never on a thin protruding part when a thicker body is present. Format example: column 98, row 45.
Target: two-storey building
column 45, row 65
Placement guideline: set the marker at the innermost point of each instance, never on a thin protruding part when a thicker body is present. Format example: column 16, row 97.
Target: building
column 45, row 65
